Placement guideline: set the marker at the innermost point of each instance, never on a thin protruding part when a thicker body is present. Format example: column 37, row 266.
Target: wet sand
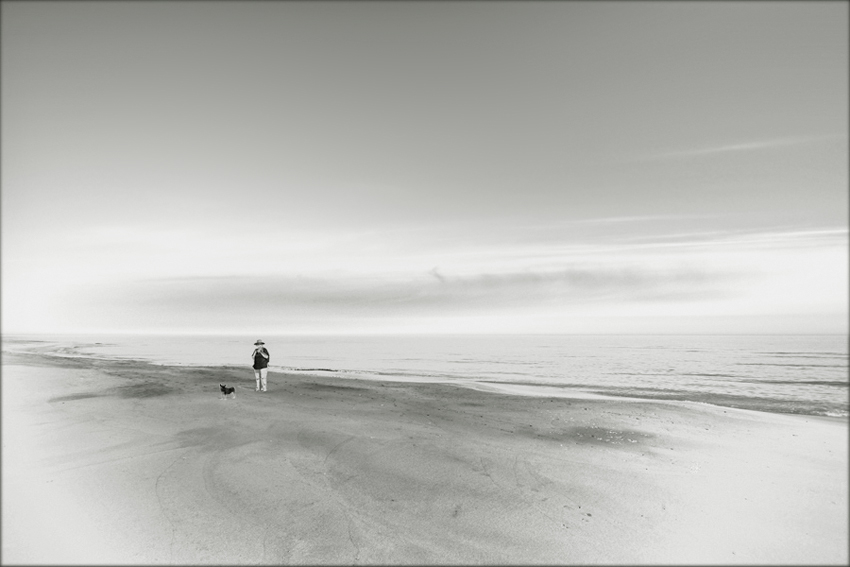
column 126, row 462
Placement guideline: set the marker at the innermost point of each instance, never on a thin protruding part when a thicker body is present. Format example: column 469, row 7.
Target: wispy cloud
column 419, row 283
column 741, row 147
column 729, row 273
column 425, row 291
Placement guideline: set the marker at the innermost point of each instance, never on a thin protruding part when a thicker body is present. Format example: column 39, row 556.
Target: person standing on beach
column 261, row 364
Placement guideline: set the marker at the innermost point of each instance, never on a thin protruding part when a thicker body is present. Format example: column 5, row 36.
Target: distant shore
column 135, row 463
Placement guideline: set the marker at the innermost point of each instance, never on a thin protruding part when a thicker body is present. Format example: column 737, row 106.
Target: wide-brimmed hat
column 259, row 342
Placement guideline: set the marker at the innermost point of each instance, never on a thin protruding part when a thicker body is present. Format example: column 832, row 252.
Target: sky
column 424, row 167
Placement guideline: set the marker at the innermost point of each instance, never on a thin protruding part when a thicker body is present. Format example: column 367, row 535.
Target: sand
column 131, row 463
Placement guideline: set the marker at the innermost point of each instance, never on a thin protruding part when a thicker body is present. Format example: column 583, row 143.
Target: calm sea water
column 805, row 374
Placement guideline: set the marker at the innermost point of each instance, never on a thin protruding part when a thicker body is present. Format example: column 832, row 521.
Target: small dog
column 226, row 390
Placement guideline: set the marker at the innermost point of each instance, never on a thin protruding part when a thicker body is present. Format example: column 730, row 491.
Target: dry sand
column 126, row 462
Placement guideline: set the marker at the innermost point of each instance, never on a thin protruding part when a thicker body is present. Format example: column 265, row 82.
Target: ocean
column 800, row 374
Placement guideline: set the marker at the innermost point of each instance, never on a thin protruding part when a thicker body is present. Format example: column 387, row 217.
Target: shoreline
column 139, row 463
column 531, row 389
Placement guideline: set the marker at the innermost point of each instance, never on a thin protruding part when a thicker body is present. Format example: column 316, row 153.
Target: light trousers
column 261, row 374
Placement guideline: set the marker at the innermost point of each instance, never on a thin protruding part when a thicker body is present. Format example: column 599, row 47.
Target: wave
column 710, row 375
column 408, row 376
column 807, row 354
column 839, row 383
column 791, row 365
column 766, row 404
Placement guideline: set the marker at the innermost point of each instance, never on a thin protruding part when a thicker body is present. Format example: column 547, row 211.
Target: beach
column 126, row 462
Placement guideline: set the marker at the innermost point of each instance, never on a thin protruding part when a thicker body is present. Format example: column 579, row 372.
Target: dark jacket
column 260, row 361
